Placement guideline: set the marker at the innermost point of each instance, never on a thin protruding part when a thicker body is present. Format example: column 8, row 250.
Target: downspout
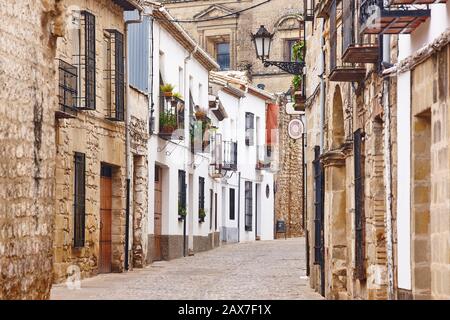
column 186, row 85
column 151, row 103
column 388, row 172
column 322, row 87
column 127, row 139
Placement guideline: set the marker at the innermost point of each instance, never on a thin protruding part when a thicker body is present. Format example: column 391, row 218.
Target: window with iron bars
column 248, row 206
column 79, row 200
column 115, row 75
column 249, row 129
column 232, row 204
column 181, row 190
column 201, row 193
column 84, row 42
column 68, row 77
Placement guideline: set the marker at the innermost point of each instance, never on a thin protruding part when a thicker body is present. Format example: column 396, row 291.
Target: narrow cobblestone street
column 257, row 270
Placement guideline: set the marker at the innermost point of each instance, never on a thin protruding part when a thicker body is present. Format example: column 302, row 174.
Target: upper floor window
column 290, row 43
column 84, row 42
column 249, row 128
column 223, row 55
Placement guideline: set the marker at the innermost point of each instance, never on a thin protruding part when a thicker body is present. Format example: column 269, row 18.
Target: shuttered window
column 359, row 207
column 248, row 206
column 232, row 204
column 318, row 206
column 249, row 128
column 79, row 199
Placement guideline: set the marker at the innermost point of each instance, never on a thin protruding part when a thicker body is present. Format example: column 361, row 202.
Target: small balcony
column 230, row 155
column 341, row 71
column 356, row 48
column 223, row 154
column 68, row 78
column 391, row 17
column 171, row 118
column 263, row 157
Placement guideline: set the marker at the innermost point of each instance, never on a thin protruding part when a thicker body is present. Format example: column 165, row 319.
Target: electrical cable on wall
column 220, row 17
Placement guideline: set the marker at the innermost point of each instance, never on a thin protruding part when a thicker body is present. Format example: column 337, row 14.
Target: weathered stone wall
column 348, row 107
column 278, row 16
column 289, row 181
column 27, row 149
column 103, row 142
column 431, row 185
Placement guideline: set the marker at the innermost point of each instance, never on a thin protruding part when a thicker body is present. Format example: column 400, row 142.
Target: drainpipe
column 239, row 206
column 127, row 138
column 388, row 172
column 185, row 87
column 322, row 87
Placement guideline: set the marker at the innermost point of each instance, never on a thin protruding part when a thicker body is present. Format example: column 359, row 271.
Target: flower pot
column 168, row 94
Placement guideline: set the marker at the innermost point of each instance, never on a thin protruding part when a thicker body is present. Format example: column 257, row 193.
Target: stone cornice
column 336, row 157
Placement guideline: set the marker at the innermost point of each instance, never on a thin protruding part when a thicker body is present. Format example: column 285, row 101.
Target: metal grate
column 182, row 189
column 359, row 207
column 201, row 193
column 115, row 74
column 90, row 63
column 68, row 77
column 79, row 200
column 232, row 204
column 248, row 206
column 319, row 198
column 249, row 128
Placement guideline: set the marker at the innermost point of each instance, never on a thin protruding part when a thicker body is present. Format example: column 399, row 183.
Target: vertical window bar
column 232, row 204
column 79, row 200
column 248, row 206
column 90, row 63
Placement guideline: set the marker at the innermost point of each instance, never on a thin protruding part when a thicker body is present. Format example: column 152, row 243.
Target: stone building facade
column 283, row 17
column 27, row 170
column 346, row 161
column 93, row 163
column 377, row 152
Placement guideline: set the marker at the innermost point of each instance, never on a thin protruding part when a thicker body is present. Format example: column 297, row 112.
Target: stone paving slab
column 266, row 270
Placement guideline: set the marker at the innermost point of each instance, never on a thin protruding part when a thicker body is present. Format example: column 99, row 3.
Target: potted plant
column 200, row 115
column 167, row 122
column 177, row 95
column 181, row 213
column 201, row 215
column 167, row 90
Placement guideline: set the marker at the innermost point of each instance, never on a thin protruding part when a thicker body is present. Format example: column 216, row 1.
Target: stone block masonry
column 27, row 147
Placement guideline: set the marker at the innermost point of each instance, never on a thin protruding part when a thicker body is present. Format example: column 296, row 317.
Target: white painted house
column 247, row 187
column 180, row 188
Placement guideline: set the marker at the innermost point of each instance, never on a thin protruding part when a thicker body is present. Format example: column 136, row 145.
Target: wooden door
column 158, row 214
column 105, row 224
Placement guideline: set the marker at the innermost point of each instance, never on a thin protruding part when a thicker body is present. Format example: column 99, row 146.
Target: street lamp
column 262, row 40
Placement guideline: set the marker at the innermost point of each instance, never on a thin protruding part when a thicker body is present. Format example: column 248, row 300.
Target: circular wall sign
column 295, row 129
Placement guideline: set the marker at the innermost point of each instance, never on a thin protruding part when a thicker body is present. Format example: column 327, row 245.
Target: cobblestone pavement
column 258, row 270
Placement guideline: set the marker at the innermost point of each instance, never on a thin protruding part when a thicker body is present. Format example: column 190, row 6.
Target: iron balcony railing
column 381, row 16
column 171, row 118
column 230, row 155
column 263, row 160
column 223, row 154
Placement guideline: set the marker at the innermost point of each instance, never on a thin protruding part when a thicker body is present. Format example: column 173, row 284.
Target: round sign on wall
column 295, row 129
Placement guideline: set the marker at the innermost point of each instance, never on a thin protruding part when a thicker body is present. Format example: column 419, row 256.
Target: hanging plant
column 297, row 82
column 298, row 50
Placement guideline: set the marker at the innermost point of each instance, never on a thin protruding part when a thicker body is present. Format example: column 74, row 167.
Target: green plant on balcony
column 167, row 89
column 177, row 95
column 167, row 122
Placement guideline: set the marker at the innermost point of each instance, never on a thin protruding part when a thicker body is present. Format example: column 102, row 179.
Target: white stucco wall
column 408, row 45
